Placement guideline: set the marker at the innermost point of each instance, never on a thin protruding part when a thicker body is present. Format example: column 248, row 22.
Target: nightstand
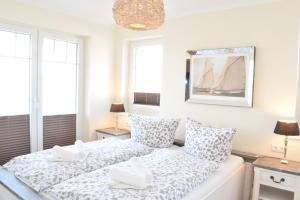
column 276, row 181
column 111, row 132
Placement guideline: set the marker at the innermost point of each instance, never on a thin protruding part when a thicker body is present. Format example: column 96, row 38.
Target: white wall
column 98, row 62
column 272, row 28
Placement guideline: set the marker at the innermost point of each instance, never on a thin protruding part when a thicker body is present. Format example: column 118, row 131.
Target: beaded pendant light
column 139, row 14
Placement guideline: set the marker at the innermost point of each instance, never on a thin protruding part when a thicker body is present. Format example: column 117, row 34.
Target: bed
column 177, row 175
column 226, row 183
column 203, row 169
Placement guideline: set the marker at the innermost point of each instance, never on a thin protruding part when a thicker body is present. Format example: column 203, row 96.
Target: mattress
column 225, row 171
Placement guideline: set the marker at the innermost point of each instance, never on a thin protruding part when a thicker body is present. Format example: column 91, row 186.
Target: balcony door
column 39, row 91
column 59, row 65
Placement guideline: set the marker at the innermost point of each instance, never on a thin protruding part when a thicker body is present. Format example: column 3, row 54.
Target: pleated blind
column 14, row 137
column 59, row 130
column 152, row 99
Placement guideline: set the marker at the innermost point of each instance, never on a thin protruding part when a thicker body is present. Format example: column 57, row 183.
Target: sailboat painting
column 221, row 76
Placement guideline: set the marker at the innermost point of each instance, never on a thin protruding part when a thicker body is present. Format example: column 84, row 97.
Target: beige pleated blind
column 14, row 137
column 59, row 130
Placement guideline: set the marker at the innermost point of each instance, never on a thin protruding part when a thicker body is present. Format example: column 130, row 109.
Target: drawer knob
column 275, row 181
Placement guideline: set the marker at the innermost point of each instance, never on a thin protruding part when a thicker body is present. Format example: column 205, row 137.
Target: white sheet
column 227, row 169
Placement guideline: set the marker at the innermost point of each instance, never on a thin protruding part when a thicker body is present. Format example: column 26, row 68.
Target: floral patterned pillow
column 153, row 131
column 213, row 144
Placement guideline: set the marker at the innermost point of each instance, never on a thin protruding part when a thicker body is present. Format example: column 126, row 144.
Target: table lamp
column 286, row 128
column 117, row 108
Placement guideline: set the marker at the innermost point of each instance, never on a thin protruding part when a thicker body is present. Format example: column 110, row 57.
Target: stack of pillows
column 203, row 142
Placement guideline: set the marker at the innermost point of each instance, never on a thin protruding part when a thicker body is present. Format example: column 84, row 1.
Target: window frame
column 151, row 109
column 297, row 103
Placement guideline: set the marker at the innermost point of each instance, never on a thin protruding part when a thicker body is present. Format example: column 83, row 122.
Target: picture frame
column 222, row 76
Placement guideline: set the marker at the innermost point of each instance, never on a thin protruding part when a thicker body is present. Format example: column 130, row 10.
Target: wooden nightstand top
column 274, row 164
column 248, row 157
column 112, row 131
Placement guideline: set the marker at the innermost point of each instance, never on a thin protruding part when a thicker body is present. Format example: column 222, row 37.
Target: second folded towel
column 136, row 175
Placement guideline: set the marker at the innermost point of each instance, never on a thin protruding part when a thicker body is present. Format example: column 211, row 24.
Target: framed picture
column 220, row 76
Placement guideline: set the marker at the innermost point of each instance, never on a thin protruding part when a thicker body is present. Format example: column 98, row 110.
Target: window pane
column 59, row 88
column 23, row 46
column 48, row 49
column 14, row 86
column 60, row 51
column 72, row 53
column 7, row 43
column 59, row 78
column 148, row 67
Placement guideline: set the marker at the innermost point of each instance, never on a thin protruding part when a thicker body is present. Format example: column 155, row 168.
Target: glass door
column 39, row 93
column 16, row 89
column 59, row 90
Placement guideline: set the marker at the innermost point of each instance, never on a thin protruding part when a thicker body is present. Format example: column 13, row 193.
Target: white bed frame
column 231, row 188
column 5, row 194
column 12, row 188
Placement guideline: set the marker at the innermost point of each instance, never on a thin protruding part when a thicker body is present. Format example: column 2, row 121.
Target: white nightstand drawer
column 272, row 178
column 111, row 132
column 104, row 136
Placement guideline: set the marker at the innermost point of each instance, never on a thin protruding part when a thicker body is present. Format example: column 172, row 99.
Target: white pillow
column 153, row 131
column 208, row 143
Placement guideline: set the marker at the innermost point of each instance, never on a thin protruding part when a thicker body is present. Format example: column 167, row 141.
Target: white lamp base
column 284, row 161
column 117, row 123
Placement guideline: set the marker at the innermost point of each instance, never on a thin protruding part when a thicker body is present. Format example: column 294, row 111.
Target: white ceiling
column 100, row 11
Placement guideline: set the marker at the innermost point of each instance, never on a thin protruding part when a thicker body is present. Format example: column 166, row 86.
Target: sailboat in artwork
column 221, row 76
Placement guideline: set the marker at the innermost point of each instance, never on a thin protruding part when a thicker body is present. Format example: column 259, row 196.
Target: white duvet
column 175, row 174
column 37, row 171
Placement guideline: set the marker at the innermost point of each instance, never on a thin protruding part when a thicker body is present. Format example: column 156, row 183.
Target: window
column 59, row 65
column 147, row 60
column 15, row 61
column 59, row 77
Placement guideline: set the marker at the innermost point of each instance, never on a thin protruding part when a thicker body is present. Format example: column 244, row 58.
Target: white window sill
column 145, row 109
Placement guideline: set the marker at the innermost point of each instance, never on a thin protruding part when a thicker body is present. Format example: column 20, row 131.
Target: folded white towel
column 69, row 154
column 141, row 168
column 135, row 176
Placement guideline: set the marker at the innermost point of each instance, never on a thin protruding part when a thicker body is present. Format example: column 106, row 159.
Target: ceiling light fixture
column 139, row 14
